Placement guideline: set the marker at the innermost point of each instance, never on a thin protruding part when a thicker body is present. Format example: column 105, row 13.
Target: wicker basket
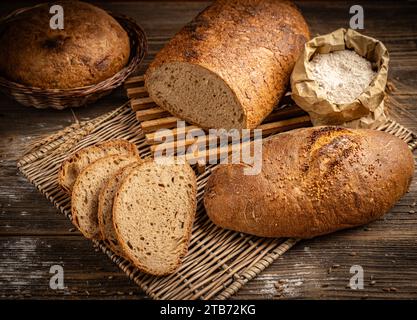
column 76, row 97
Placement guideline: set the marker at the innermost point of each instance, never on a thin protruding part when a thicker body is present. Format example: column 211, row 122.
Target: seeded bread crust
column 230, row 65
column 92, row 47
column 74, row 164
column 119, row 213
column 313, row 181
column 87, row 187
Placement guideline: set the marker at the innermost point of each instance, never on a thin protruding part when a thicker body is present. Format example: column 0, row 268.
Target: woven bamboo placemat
column 219, row 262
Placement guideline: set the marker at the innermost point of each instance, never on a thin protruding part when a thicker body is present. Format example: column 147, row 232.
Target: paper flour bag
column 366, row 110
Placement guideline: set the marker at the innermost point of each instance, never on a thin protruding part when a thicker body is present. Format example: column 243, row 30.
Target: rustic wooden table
column 33, row 236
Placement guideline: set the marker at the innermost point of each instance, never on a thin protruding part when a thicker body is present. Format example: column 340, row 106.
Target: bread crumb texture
column 105, row 207
column 313, row 181
column 342, row 75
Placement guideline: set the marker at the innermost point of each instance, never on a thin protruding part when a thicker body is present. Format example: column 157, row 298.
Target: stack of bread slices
column 143, row 210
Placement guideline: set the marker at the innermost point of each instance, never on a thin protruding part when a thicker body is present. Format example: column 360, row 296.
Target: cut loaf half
column 230, row 65
column 84, row 199
column 105, row 208
column 153, row 213
column 77, row 162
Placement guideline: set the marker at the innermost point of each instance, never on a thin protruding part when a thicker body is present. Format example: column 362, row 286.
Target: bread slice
column 71, row 168
column 105, row 208
column 84, row 199
column 153, row 214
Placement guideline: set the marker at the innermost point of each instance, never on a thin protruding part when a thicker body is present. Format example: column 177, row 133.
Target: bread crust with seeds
column 78, row 161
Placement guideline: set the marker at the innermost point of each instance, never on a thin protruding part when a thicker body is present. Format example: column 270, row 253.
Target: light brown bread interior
column 153, row 213
column 84, row 199
column 72, row 167
column 105, row 207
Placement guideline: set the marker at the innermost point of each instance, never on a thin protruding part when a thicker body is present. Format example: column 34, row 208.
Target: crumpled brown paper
column 366, row 111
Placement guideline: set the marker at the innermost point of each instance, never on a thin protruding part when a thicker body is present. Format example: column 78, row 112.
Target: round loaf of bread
column 92, row 47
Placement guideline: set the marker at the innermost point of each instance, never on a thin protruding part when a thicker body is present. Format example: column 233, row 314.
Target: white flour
column 343, row 75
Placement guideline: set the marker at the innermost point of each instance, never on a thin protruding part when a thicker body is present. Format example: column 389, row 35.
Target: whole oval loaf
column 230, row 65
column 313, row 181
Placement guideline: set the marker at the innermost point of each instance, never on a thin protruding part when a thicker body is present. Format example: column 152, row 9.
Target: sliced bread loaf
column 105, row 207
column 71, row 168
column 90, row 181
column 153, row 213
